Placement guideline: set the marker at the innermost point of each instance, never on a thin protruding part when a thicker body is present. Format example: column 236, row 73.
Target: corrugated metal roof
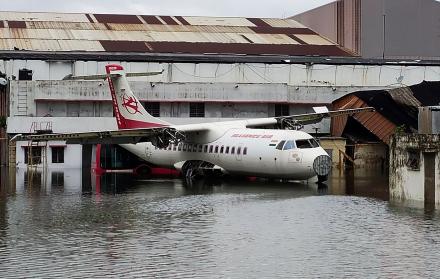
column 176, row 34
column 36, row 16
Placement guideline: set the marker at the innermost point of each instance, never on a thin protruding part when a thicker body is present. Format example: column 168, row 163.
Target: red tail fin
column 130, row 114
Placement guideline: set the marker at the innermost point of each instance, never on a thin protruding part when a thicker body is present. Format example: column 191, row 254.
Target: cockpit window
column 307, row 143
column 314, row 143
column 290, row 144
column 280, row 145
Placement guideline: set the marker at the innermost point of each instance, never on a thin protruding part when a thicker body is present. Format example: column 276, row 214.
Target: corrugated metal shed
column 396, row 107
column 161, row 34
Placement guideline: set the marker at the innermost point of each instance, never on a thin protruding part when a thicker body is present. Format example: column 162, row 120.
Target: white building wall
column 72, row 155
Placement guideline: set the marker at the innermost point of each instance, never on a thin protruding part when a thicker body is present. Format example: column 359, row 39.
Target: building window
column 24, row 74
column 413, row 162
column 36, row 155
column 152, row 108
column 197, row 110
column 57, row 154
column 281, row 110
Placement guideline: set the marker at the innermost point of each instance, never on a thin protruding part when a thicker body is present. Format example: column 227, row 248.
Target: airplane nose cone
column 322, row 165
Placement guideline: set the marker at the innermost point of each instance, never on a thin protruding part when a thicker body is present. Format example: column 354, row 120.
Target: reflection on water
column 72, row 224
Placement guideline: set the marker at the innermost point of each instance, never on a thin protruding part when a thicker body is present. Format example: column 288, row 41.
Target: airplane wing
column 164, row 135
column 114, row 137
column 299, row 120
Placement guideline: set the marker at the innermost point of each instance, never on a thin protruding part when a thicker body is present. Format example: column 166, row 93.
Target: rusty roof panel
column 277, row 30
column 112, row 18
column 16, row 24
column 220, row 21
column 258, row 22
column 283, row 23
column 372, row 121
column 169, row 20
column 182, row 20
column 89, row 18
column 124, row 46
column 2, row 24
column 150, row 19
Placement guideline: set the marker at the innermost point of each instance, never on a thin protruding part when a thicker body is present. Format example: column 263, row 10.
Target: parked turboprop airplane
column 239, row 147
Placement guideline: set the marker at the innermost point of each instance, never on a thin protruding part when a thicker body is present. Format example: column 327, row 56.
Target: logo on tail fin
column 130, row 104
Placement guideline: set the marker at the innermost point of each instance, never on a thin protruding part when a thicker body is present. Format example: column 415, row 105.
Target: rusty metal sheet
column 124, row 46
column 258, row 22
column 16, row 24
column 182, row 20
column 2, row 24
column 372, row 121
column 277, row 30
column 169, row 20
column 150, row 19
column 112, row 18
column 128, row 27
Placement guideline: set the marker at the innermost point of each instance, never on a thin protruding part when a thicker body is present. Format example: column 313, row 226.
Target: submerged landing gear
column 194, row 170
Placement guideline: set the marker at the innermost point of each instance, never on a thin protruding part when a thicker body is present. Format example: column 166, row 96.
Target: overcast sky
column 239, row 8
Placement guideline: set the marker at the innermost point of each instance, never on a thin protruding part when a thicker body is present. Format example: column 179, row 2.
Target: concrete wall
column 408, row 183
column 47, row 182
column 370, row 155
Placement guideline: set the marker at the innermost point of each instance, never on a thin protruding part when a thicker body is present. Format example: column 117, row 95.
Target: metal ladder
column 22, row 106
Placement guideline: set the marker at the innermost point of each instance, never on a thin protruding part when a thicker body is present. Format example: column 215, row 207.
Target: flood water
column 65, row 224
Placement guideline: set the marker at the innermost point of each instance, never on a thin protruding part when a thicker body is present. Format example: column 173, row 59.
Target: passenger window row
column 205, row 148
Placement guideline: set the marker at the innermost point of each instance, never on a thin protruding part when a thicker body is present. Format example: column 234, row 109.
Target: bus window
column 195, row 148
column 184, row 147
column 216, row 149
column 290, row 144
column 222, row 149
column 233, row 150
column 239, row 150
column 179, row 147
column 245, row 151
column 200, row 147
column 174, row 147
column 280, row 145
column 227, row 150
column 205, row 148
column 210, row 148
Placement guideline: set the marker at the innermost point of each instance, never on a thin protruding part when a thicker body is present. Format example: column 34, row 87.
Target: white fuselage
column 284, row 154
